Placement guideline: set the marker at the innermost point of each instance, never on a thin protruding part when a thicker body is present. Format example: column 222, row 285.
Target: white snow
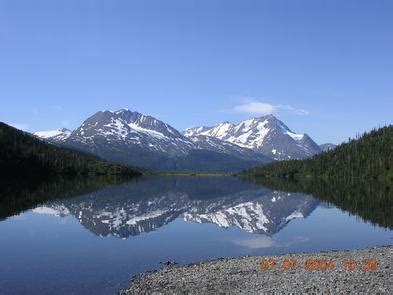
column 295, row 136
column 295, row 214
column 55, row 211
column 248, row 134
column 248, row 216
column 46, row 210
column 117, row 127
column 221, row 130
column 250, row 138
column 136, row 219
column 152, row 133
column 52, row 133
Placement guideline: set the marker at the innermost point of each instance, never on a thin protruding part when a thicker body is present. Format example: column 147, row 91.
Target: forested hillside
column 371, row 200
column 24, row 155
column 367, row 157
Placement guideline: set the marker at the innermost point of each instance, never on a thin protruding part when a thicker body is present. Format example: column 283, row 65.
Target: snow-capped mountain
column 266, row 135
column 265, row 213
column 137, row 139
column 57, row 135
column 124, row 128
column 123, row 211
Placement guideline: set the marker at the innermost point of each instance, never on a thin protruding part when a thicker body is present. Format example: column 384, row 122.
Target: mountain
column 57, row 135
column 266, row 135
column 126, row 128
column 133, row 138
column 131, row 209
column 204, row 142
column 369, row 157
column 24, row 155
column 327, row 147
column 254, row 211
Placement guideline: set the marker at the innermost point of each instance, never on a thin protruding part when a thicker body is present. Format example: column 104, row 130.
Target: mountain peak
column 124, row 128
column 268, row 116
column 266, row 134
column 122, row 111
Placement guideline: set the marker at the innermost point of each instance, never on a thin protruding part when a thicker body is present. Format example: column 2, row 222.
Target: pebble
column 244, row 275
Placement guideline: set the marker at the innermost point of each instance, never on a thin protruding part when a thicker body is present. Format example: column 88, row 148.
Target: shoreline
column 348, row 271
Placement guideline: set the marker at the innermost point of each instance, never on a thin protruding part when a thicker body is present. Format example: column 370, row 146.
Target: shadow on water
column 372, row 201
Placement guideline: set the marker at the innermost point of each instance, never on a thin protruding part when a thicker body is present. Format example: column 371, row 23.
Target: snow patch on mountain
column 54, row 210
column 249, row 216
column 57, row 134
column 150, row 215
column 295, row 136
column 295, row 214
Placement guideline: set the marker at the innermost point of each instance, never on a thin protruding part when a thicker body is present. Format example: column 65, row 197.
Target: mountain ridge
column 113, row 211
column 266, row 135
column 134, row 138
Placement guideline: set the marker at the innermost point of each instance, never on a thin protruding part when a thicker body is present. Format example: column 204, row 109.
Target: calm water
column 95, row 242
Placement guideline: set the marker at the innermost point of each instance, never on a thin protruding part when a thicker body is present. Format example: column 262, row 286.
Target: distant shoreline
column 246, row 275
column 192, row 174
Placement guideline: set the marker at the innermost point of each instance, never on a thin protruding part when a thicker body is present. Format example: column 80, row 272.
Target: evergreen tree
column 367, row 157
column 21, row 155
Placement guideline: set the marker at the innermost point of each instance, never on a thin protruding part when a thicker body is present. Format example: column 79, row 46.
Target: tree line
column 21, row 154
column 369, row 156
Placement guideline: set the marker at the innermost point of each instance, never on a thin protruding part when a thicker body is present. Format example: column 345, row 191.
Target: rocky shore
column 357, row 271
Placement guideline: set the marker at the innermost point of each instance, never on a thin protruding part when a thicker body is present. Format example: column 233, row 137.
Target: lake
column 95, row 241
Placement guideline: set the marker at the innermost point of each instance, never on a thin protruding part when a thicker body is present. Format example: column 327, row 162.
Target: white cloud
column 256, row 243
column 267, row 242
column 299, row 112
column 20, row 126
column 257, row 107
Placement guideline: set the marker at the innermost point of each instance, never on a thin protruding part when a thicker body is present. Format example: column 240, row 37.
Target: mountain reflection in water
column 133, row 226
column 130, row 209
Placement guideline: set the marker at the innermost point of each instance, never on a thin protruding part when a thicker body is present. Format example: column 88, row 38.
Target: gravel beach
column 357, row 271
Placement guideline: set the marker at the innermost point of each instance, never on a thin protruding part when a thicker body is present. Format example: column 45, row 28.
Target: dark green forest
column 23, row 155
column 370, row 200
column 367, row 157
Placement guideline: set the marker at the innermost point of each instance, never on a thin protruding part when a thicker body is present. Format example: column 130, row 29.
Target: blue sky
column 323, row 67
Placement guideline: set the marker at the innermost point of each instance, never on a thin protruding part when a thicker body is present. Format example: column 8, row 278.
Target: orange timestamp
column 319, row 264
